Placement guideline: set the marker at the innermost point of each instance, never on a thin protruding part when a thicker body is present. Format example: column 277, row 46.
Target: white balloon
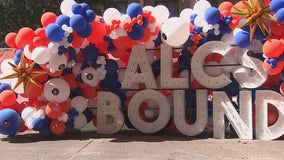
column 79, row 103
column 56, row 90
column 90, row 76
column 53, row 47
column 40, row 55
column 175, row 31
column 148, row 8
column 111, row 14
column 6, row 67
column 66, row 7
column 56, row 62
column 161, row 14
column 186, row 13
column 28, row 112
column 80, row 121
column 200, row 7
column 27, row 52
column 125, row 18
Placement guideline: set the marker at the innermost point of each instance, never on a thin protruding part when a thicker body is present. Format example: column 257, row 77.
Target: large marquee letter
column 242, row 123
column 110, row 119
column 179, row 113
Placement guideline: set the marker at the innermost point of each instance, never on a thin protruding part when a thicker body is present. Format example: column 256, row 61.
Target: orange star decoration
column 25, row 73
column 255, row 14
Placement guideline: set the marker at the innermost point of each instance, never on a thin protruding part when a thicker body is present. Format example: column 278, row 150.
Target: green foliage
column 16, row 14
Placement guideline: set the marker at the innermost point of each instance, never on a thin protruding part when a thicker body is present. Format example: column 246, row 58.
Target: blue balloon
column 45, row 131
column 212, row 15
column 62, row 19
column 78, row 22
column 145, row 22
column 111, row 66
column 280, row 15
column 10, row 122
column 90, row 15
column 136, row 33
column 37, row 124
column 88, row 114
column 5, row 86
column 90, row 52
column 77, row 9
column 86, row 32
column 134, row 9
column 54, row 32
column 17, row 56
column 242, row 39
column 275, row 5
column 85, row 6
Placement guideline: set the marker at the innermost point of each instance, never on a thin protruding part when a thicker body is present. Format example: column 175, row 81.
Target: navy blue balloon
column 280, row 15
column 54, row 32
column 70, row 38
column 111, row 66
column 76, row 92
column 72, row 53
column 37, row 124
column 90, row 15
column 212, row 15
column 77, row 9
column 134, row 9
column 62, row 19
column 86, row 32
column 78, row 22
column 145, row 22
column 90, row 53
column 10, row 122
column 5, row 86
column 45, row 131
column 88, row 114
column 275, row 5
column 136, row 33
column 242, row 39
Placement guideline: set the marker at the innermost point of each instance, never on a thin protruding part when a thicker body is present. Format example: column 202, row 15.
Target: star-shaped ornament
column 255, row 14
column 25, row 74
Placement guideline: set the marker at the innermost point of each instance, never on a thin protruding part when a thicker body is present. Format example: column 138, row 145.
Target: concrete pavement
column 133, row 145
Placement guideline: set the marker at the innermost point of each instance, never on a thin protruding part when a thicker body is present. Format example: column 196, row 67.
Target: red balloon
column 77, row 41
column 277, row 28
column 8, row 98
column 47, row 18
column 273, row 48
column 273, row 71
column 34, row 91
column 41, row 33
column 57, row 127
column 24, row 37
column 71, row 80
column 53, row 110
column 98, row 32
column 37, row 41
column 147, row 35
column 225, row 6
column 10, row 39
column 282, row 88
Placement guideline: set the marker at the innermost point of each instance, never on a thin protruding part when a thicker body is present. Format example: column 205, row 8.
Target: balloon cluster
column 76, row 53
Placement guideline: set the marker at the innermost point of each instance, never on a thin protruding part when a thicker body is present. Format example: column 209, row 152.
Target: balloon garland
column 51, row 83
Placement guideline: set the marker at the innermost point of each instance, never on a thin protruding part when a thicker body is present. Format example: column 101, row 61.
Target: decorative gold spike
column 255, row 13
column 25, row 74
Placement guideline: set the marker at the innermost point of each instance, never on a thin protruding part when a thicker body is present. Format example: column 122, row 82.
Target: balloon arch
column 53, row 81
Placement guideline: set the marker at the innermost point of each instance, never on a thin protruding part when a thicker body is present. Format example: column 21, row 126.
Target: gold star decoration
column 25, row 73
column 255, row 14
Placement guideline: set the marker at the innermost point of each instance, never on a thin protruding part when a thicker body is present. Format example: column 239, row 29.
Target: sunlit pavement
column 129, row 144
